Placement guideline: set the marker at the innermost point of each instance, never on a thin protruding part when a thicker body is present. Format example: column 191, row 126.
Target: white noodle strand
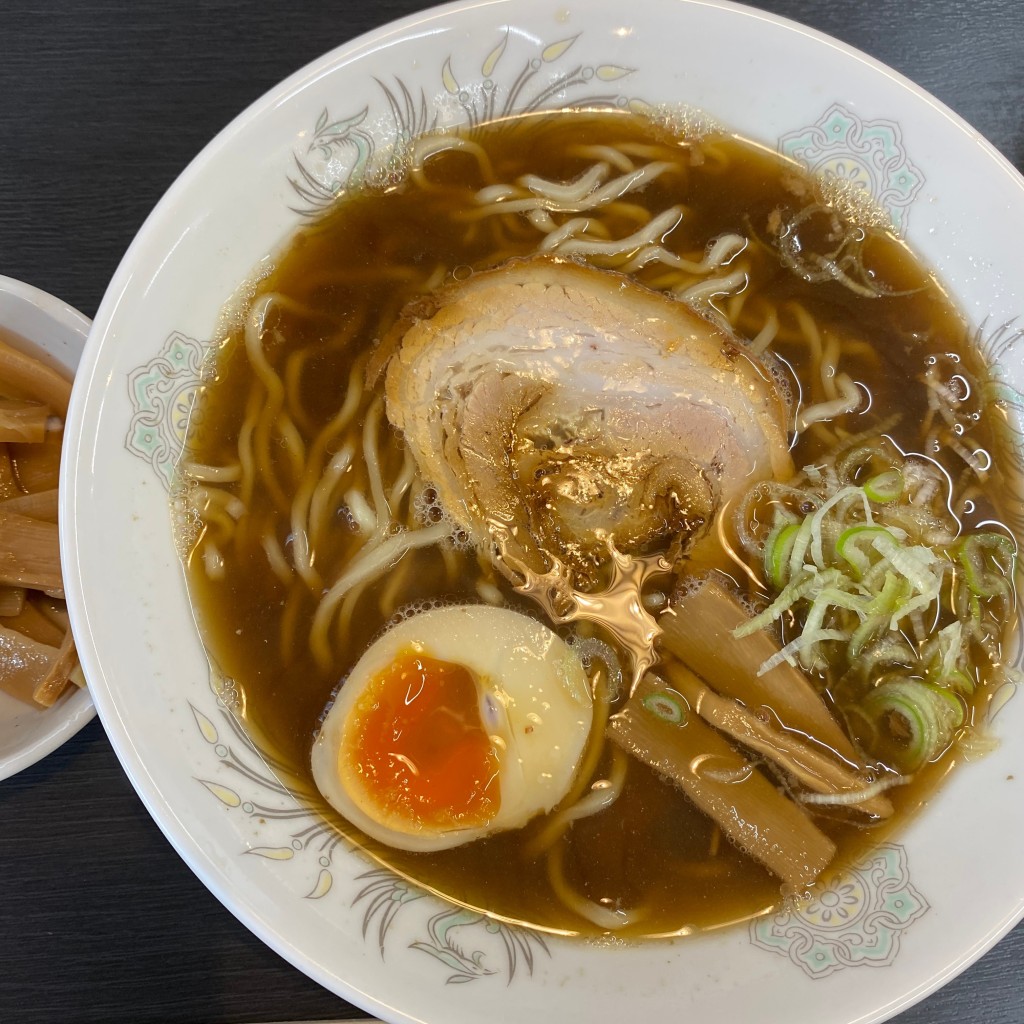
column 850, row 400
column 364, row 569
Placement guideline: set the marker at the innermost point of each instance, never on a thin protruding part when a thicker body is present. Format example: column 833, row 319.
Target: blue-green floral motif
column 162, row 394
column 866, row 154
column 858, row 921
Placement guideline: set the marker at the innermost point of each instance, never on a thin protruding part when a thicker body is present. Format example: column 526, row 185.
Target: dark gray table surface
column 102, row 104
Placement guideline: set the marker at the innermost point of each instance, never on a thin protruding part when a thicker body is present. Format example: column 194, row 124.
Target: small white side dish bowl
column 28, row 734
column 912, row 915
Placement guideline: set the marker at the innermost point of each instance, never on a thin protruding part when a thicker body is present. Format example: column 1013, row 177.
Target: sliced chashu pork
column 566, row 405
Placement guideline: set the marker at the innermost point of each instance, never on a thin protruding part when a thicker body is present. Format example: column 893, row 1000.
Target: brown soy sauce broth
column 350, row 273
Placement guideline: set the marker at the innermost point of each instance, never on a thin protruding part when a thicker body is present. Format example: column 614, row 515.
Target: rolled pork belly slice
column 568, row 406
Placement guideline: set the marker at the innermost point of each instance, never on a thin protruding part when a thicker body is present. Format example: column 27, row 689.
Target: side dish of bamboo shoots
column 37, row 652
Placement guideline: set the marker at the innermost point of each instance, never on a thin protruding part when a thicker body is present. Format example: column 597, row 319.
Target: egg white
column 535, row 704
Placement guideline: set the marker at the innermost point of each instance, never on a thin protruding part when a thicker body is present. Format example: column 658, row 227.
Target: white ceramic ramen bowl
column 897, row 926
column 28, row 734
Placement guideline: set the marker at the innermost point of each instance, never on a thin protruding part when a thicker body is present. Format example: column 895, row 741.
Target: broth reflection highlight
column 664, row 396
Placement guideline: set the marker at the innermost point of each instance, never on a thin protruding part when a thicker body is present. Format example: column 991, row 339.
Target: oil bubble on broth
column 696, row 424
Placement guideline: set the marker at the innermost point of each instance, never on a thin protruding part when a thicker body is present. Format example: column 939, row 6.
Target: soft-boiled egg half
column 456, row 723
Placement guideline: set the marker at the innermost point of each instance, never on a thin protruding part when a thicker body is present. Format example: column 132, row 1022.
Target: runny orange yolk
column 418, row 743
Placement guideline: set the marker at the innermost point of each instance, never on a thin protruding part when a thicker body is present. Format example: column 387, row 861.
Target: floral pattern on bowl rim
column 869, row 155
column 857, row 921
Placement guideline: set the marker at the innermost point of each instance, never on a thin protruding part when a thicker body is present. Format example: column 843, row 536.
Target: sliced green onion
column 947, row 661
column 889, row 651
column 800, row 646
column 944, row 654
column 968, row 605
column 869, row 564
column 806, row 584
column 777, row 549
column 884, row 487
column 662, row 706
column 959, row 682
column 883, row 607
column 815, row 520
column 850, row 464
column 866, row 632
column 981, row 550
column 914, row 562
column 850, row 543
column 893, row 593
column 914, row 718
